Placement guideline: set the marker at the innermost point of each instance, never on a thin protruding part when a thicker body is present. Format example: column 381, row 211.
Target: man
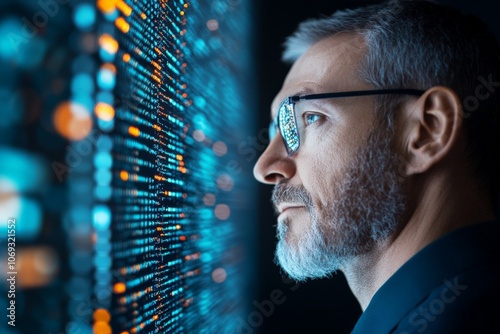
column 383, row 157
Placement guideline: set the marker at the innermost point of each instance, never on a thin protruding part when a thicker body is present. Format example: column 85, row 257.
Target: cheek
column 322, row 168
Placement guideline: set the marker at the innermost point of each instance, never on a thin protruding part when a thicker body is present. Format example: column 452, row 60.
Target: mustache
column 284, row 193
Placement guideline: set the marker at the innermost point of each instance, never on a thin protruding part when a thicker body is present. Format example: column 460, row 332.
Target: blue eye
column 311, row 118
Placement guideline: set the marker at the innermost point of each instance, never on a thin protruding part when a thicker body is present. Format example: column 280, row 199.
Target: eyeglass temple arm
column 408, row 91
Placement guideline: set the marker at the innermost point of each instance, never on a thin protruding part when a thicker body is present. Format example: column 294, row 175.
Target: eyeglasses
column 290, row 127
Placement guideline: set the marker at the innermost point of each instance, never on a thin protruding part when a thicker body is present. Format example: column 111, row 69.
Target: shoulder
column 466, row 303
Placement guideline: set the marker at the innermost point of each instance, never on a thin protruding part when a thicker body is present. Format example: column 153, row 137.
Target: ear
column 430, row 128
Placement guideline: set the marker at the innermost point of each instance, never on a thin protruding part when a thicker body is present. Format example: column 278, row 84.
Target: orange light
column 182, row 12
column 119, row 287
column 212, row 24
column 219, row 148
column 124, row 175
column 182, row 238
column 123, row 7
column 155, row 317
column 156, row 78
column 108, row 43
column 104, row 111
column 186, row 5
column 143, row 16
column 198, row 135
column 102, row 315
column 134, row 131
column 222, row 211
column 219, row 275
column 209, row 199
column 72, row 121
column 157, row 127
column 126, row 57
column 156, row 65
column 122, row 24
column 109, row 66
column 101, row 327
column 106, row 6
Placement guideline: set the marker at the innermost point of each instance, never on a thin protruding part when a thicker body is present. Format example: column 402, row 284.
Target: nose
column 274, row 164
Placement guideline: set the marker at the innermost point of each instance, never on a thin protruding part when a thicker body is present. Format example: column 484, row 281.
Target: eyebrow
column 301, row 92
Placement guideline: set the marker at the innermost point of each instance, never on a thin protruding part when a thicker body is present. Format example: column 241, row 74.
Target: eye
column 311, row 118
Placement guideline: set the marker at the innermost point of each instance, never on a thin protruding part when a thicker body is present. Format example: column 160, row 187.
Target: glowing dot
column 106, row 6
column 124, row 175
column 209, row 199
column 198, row 135
column 119, row 287
column 182, row 238
column 104, row 111
column 134, row 131
column 225, row 182
column 123, row 7
column 102, row 315
column 179, row 157
column 108, row 43
column 178, row 226
column 219, row 148
column 122, row 24
column 101, row 327
column 84, row 16
column 219, row 275
column 182, row 12
column 155, row 317
column 222, row 211
column 186, row 5
column 72, row 121
column 126, row 57
column 212, row 25
column 143, row 16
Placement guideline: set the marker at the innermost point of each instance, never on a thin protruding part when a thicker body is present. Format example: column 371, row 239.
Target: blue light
column 27, row 172
column 28, row 219
column 103, row 176
column 84, row 16
column 106, row 79
column 12, row 37
column 103, row 160
column 82, row 84
column 105, row 97
column 20, row 44
column 101, row 217
column 103, row 193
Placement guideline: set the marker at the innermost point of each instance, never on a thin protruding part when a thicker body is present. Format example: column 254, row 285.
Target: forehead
column 330, row 65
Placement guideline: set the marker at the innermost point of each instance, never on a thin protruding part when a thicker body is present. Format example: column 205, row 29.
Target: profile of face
column 340, row 194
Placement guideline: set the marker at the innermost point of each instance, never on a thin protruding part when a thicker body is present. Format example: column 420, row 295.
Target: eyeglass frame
column 290, row 101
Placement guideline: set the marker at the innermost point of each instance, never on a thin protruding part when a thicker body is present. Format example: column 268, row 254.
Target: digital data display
column 139, row 201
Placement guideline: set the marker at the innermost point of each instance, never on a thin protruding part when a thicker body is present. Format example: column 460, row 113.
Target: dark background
column 317, row 306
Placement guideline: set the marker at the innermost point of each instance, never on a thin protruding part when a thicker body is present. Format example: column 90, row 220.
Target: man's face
column 339, row 194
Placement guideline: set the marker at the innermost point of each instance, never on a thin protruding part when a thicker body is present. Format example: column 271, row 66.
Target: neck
column 443, row 206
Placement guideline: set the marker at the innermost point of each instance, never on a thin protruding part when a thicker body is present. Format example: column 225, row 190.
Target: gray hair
column 419, row 44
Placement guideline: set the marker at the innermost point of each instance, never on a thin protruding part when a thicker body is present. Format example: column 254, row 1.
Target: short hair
column 419, row 44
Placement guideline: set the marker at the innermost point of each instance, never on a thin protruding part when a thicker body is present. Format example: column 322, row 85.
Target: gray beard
column 367, row 208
